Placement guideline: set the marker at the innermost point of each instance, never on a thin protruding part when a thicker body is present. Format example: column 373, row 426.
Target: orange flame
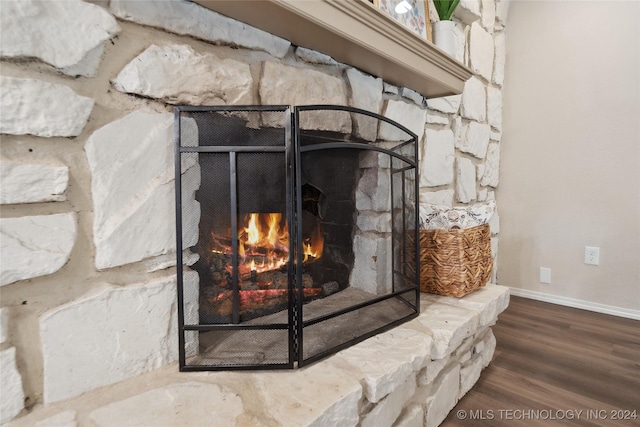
column 313, row 246
column 263, row 243
column 253, row 232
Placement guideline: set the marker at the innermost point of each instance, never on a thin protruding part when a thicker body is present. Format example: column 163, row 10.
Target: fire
column 265, row 231
column 263, row 244
column 313, row 246
column 253, row 231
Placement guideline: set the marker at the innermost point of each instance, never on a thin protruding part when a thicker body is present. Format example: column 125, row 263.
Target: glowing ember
column 256, row 299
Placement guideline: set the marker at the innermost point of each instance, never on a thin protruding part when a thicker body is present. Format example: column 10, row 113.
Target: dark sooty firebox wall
column 296, row 231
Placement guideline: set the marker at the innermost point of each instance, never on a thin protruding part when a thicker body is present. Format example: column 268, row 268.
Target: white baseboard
column 576, row 303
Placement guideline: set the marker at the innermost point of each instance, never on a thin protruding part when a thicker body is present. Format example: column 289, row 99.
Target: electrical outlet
column 545, row 275
column 592, row 255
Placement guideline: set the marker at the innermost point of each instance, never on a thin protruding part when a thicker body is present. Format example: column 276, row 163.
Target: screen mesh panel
column 295, row 231
column 242, row 348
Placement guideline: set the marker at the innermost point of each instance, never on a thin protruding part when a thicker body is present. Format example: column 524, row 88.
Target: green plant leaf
column 445, row 8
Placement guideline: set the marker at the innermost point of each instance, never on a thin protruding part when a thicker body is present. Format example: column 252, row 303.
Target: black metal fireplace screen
column 296, row 232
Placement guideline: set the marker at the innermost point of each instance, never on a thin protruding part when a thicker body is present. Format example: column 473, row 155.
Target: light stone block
column 457, row 128
column 373, row 192
column 494, row 107
column 51, row 32
column 374, row 159
column 494, row 224
column 467, row 31
column 482, row 194
column 500, row 58
column 412, row 416
column 390, row 89
column 445, row 104
column 188, row 403
column 436, row 167
column 489, row 348
column 480, row 51
column 466, row 180
column 32, row 183
column 314, row 57
column 389, row 408
column 375, row 222
column 463, row 353
column 496, row 135
column 429, row 374
column 4, row 324
column 371, row 270
column 317, row 396
column 176, row 74
column 169, row 260
column 406, row 352
column 132, row 185
column 191, row 301
column 502, row 11
column 460, row 36
column 366, row 94
column 469, row 375
column 186, row 18
column 12, row 401
column 408, row 115
column 124, row 330
column 33, row 246
column 287, row 85
column 478, row 347
column 35, row 107
column 449, row 324
column 492, row 166
column 475, row 139
column 486, row 302
column 63, row 419
column 437, row 118
column 442, row 197
column 488, row 15
column 474, row 100
column 444, row 396
column 468, row 11
column 479, row 175
column 89, row 65
column 412, row 95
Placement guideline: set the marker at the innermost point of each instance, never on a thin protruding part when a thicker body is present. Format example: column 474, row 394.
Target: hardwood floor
column 550, row 363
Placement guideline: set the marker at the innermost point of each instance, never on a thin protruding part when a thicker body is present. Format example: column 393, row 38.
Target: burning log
column 252, row 300
column 262, row 274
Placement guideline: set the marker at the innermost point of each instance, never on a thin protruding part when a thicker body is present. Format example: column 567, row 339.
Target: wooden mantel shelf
column 354, row 32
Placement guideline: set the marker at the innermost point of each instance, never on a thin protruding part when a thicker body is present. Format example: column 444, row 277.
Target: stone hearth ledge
column 412, row 375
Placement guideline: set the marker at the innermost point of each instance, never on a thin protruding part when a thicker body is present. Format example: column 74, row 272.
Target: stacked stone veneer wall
column 86, row 94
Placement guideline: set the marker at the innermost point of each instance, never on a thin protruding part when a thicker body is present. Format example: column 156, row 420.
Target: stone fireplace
column 90, row 315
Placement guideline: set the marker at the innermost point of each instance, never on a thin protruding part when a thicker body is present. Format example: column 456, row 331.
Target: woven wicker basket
column 455, row 262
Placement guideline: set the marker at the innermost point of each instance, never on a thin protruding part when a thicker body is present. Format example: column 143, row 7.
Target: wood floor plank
column 503, row 392
column 558, row 361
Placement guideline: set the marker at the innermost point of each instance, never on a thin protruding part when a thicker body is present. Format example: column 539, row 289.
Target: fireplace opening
column 294, row 230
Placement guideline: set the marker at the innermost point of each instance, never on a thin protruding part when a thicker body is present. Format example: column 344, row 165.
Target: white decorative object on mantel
column 444, row 36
